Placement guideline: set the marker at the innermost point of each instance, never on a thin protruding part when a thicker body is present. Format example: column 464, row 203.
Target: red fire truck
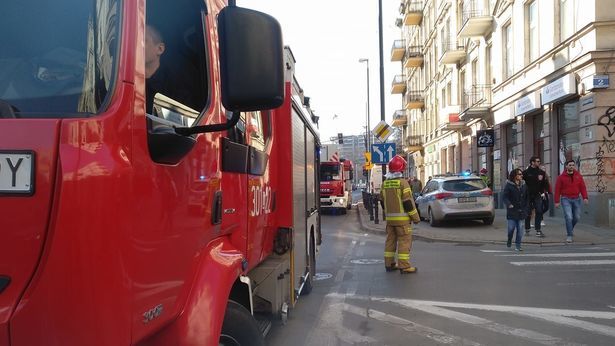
column 336, row 185
column 193, row 225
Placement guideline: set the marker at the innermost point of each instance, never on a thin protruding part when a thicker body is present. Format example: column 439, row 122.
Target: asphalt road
column 462, row 295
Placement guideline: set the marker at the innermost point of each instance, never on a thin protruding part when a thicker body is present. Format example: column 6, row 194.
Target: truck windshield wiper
column 7, row 110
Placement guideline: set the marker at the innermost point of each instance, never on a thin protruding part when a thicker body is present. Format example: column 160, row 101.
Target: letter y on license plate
column 16, row 172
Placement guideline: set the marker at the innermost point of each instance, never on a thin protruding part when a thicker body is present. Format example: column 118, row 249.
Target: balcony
column 414, row 100
column 449, row 119
column 413, row 143
column 400, row 117
column 476, row 102
column 398, row 86
column 476, row 21
column 398, row 50
column 452, row 52
column 413, row 14
column 414, row 57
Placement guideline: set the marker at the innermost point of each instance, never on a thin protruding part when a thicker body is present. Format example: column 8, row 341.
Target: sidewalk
column 477, row 232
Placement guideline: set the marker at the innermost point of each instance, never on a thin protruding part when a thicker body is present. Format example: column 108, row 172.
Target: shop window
column 569, row 146
column 511, row 147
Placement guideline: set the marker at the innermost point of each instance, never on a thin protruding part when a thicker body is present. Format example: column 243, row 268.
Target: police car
column 456, row 197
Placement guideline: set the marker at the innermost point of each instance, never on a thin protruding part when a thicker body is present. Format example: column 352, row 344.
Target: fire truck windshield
column 57, row 57
column 329, row 172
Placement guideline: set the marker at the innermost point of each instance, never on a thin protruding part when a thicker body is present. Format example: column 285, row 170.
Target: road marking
column 564, row 263
column 329, row 331
column 580, row 254
column 413, row 327
column 556, row 316
column 494, row 251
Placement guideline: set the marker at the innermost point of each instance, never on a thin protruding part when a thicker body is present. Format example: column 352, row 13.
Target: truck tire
column 239, row 327
column 309, row 284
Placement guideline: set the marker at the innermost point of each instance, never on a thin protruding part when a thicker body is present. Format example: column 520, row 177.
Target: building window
column 449, row 89
column 532, row 30
column 488, row 62
column 508, row 52
column 568, row 124
column 566, row 19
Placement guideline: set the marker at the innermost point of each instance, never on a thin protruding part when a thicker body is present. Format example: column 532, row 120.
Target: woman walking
column 515, row 199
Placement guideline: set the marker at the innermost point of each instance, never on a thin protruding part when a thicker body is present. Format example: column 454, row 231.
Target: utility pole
column 384, row 167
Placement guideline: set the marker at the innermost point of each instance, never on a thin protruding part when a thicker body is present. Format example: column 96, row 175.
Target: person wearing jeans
column 568, row 187
column 515, row 198
column 572, row 214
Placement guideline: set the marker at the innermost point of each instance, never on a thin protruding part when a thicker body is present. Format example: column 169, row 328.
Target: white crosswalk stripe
column 558, row 259
column 566, row 318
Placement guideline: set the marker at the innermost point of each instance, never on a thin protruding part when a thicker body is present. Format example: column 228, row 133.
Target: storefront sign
column 558, row 89
column 430, row 149
column 485, row 138
column 527, row 104
column 503, row 114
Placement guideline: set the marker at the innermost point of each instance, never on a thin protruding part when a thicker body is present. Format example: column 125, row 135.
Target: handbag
column 545, row 203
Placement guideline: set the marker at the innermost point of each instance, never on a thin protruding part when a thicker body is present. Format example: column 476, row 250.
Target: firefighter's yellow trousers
column 400, row 238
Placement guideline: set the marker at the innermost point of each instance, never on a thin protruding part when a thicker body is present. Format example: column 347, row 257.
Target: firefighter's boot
column 409, row 270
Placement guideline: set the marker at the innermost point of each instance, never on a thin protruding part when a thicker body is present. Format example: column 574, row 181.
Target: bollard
column 375, row 203
column 369, row 206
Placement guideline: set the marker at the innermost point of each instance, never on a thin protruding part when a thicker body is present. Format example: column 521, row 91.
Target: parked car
column 456, row 197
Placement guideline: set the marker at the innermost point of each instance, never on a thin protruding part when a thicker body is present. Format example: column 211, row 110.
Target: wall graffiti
column 608, row 121
column 607, row 147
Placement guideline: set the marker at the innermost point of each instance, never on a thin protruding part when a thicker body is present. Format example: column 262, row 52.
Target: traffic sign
column 368, row 161
column 382, row 131
column 382, row 153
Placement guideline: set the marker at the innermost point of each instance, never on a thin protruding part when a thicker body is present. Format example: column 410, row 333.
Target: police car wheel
column 432, row 220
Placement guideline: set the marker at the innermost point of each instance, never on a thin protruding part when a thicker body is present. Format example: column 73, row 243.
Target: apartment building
column 500, row 81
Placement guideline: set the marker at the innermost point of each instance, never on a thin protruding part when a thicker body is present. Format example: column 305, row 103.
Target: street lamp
column 368, row 129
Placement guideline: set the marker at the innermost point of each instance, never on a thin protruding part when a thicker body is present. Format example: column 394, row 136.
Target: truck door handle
column 216, row 209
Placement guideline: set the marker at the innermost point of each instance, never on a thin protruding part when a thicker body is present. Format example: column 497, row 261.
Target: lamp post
column 368, row 129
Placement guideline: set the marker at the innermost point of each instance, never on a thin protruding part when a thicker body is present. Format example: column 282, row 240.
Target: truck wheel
column 349, row 206
column 239, row 327
column 309, row 284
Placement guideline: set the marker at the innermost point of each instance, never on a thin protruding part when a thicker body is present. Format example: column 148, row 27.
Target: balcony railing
column 413, row 14
column 414, row 57
column 475, row 20
column 415, row 140
column 398, row 86
column 452, row 51
column 398, row 50
column 413, row 143
column 414, row 100
column 400, row 117
column 476, row 102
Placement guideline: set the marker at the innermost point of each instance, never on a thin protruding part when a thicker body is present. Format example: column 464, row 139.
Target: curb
column 541, row 243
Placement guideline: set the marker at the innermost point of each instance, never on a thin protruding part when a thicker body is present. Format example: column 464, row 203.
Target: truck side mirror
column 251, row 60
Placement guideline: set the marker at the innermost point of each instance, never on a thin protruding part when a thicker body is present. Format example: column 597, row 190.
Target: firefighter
column 399, row 209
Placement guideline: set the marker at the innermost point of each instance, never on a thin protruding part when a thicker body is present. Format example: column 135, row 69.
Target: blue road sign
column 382, row 153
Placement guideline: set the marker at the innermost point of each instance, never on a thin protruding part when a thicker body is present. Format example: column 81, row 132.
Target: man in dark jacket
column 537, row 187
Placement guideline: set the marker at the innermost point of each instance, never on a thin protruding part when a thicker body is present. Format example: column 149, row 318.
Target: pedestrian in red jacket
column 568, row 187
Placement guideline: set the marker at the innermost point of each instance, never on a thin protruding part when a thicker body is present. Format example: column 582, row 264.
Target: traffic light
column 340, row 138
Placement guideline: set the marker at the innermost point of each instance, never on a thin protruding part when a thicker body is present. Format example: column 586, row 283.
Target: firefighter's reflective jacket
column 399, row 205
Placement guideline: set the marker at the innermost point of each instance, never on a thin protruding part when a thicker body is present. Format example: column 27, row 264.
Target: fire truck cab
column 173, row 208
column 336, row 185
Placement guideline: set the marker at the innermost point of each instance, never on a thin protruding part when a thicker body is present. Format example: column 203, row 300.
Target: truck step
column 264, row 323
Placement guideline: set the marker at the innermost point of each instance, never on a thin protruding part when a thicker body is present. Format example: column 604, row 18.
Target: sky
column 327, row 39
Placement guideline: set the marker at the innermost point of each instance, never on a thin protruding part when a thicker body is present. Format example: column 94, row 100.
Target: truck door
column 260, row 187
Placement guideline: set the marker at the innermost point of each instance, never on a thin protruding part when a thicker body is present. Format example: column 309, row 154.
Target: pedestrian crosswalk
column 554, row 257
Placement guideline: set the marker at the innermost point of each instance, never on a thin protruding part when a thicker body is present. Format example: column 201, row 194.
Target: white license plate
column 16, row 172
column 466, row 199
